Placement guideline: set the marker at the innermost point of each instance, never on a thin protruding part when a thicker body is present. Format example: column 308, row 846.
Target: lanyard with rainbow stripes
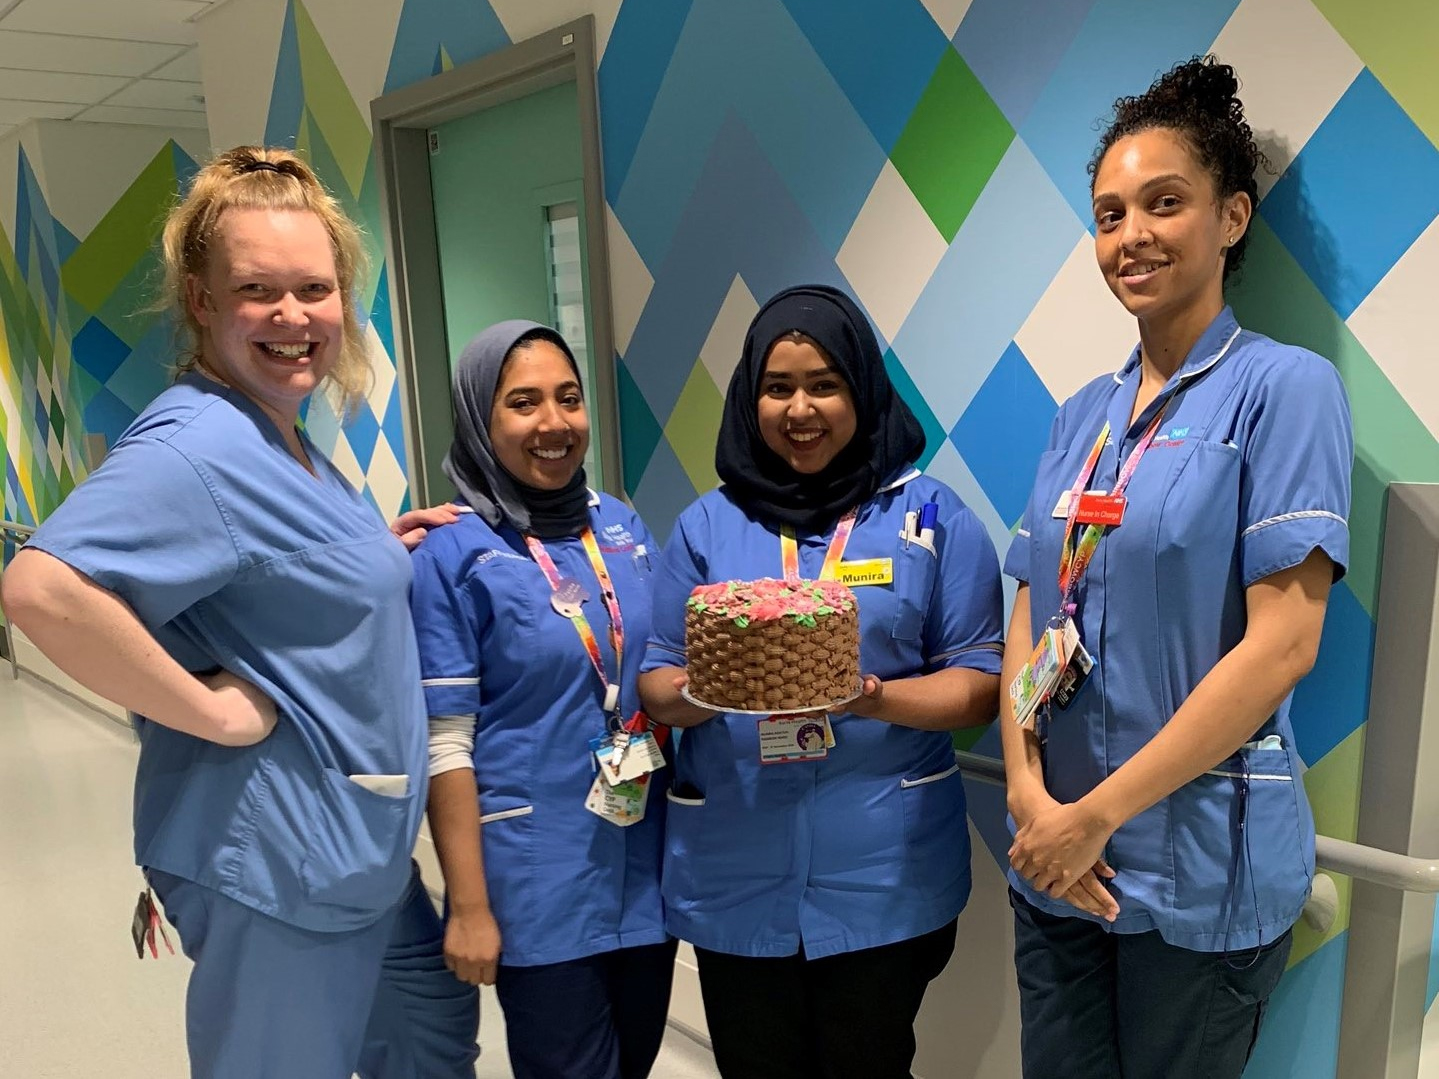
column 578, row 619
column 1074, row 560
column 789, row 549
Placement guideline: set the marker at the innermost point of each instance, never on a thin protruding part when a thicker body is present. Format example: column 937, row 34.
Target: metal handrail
column 21, row 533
column 1400, row 871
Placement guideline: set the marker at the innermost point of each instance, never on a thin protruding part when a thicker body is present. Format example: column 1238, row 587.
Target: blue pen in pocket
column 928, row 517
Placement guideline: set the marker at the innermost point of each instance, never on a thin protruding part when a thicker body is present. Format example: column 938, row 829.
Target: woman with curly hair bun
column 1186, row 524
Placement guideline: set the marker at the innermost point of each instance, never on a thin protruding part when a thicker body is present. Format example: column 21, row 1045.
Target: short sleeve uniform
column 563, row 882
column 234, row 556
column 1248, row 473
column 870, row 845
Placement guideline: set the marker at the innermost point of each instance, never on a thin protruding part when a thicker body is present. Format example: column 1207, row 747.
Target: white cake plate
column 830, row 706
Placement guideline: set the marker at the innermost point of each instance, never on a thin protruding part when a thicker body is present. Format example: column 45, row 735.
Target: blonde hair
column 264, row 178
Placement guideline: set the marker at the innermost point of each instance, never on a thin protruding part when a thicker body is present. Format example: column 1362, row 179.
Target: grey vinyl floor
column 74, row 1001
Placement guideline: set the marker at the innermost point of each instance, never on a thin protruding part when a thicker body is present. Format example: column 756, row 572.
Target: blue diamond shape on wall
column 1004, row 430
column 363, row 431
column 98, row 350
column 1348, row 216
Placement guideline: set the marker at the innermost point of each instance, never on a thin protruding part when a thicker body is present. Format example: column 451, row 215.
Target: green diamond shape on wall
column 952, row 144
column 693, row 427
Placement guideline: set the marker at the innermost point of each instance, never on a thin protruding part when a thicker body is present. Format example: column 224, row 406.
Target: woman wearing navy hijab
column 1186, row 524
column 821, row 895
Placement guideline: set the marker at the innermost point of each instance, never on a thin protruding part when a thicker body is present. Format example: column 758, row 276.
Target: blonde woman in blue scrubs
column 1187, row 522
column 219, row 577
column 821, row 895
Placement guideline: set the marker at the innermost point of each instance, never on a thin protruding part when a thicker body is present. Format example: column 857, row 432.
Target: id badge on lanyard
column 1060, row 664
column 805, row 736
column 626, row 753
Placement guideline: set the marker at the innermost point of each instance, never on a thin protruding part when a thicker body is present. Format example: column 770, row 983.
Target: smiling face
column 538, row 426
column 269, row 307
column 806, row 409
column 1160, row 228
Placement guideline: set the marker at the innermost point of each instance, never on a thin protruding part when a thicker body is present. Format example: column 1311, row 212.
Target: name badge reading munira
column 867, row 571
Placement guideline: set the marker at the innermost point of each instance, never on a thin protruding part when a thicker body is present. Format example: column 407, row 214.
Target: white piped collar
column 912, row 474
column 1223, row 332
column 593, row 502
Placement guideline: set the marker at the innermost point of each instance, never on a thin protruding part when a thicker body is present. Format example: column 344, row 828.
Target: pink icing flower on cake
column 802, row 603
column 768, row 609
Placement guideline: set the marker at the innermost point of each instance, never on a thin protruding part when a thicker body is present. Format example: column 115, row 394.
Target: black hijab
column 482, row 481
column 886, row 437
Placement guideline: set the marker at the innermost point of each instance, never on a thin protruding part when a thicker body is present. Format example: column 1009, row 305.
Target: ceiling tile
column 112, row 114
column 134, row 20
column 158, row 94
column 185, row 67
column 55, row 86
column 86, row 55
column 17, row 112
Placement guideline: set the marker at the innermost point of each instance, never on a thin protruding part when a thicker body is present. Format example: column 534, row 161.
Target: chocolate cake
column 772, row 646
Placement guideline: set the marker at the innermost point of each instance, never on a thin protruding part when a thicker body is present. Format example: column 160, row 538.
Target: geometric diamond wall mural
column 927, row 155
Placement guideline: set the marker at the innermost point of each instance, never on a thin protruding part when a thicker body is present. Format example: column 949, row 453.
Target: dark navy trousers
column 601, row 1017
column 1095, row 1003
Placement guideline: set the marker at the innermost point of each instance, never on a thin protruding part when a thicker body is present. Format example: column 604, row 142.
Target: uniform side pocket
column 719, row 855
column 510, row 836
column 1239, row 842
column 357, row 863
column 936, row 837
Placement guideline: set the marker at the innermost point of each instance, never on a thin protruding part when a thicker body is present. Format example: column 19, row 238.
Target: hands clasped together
column 1057, row 848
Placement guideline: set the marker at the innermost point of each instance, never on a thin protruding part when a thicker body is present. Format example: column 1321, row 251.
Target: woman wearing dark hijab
column 531, row 613
column 821, row 894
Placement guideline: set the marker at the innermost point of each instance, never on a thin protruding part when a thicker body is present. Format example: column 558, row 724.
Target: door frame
column 400, row 121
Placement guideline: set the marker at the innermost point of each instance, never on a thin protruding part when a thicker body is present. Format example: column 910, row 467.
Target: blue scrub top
column 234, row 556
column 1248, row 473
column 563, row 882
column 870, row 845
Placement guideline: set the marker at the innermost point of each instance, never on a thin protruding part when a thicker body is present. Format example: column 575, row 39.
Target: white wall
column 75, row 155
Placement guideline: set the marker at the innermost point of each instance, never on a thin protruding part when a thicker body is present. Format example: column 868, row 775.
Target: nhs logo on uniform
column 617, row 536
column 1175, row 436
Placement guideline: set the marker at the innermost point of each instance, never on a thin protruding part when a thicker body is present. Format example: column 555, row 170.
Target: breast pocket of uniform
column 915, row 568
column 643, row 562
column 1200, row 519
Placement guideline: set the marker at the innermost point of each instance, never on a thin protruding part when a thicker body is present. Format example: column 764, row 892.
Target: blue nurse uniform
column 1248, row 474
column 234, row 556
column 869, row 846
column 577, row 897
